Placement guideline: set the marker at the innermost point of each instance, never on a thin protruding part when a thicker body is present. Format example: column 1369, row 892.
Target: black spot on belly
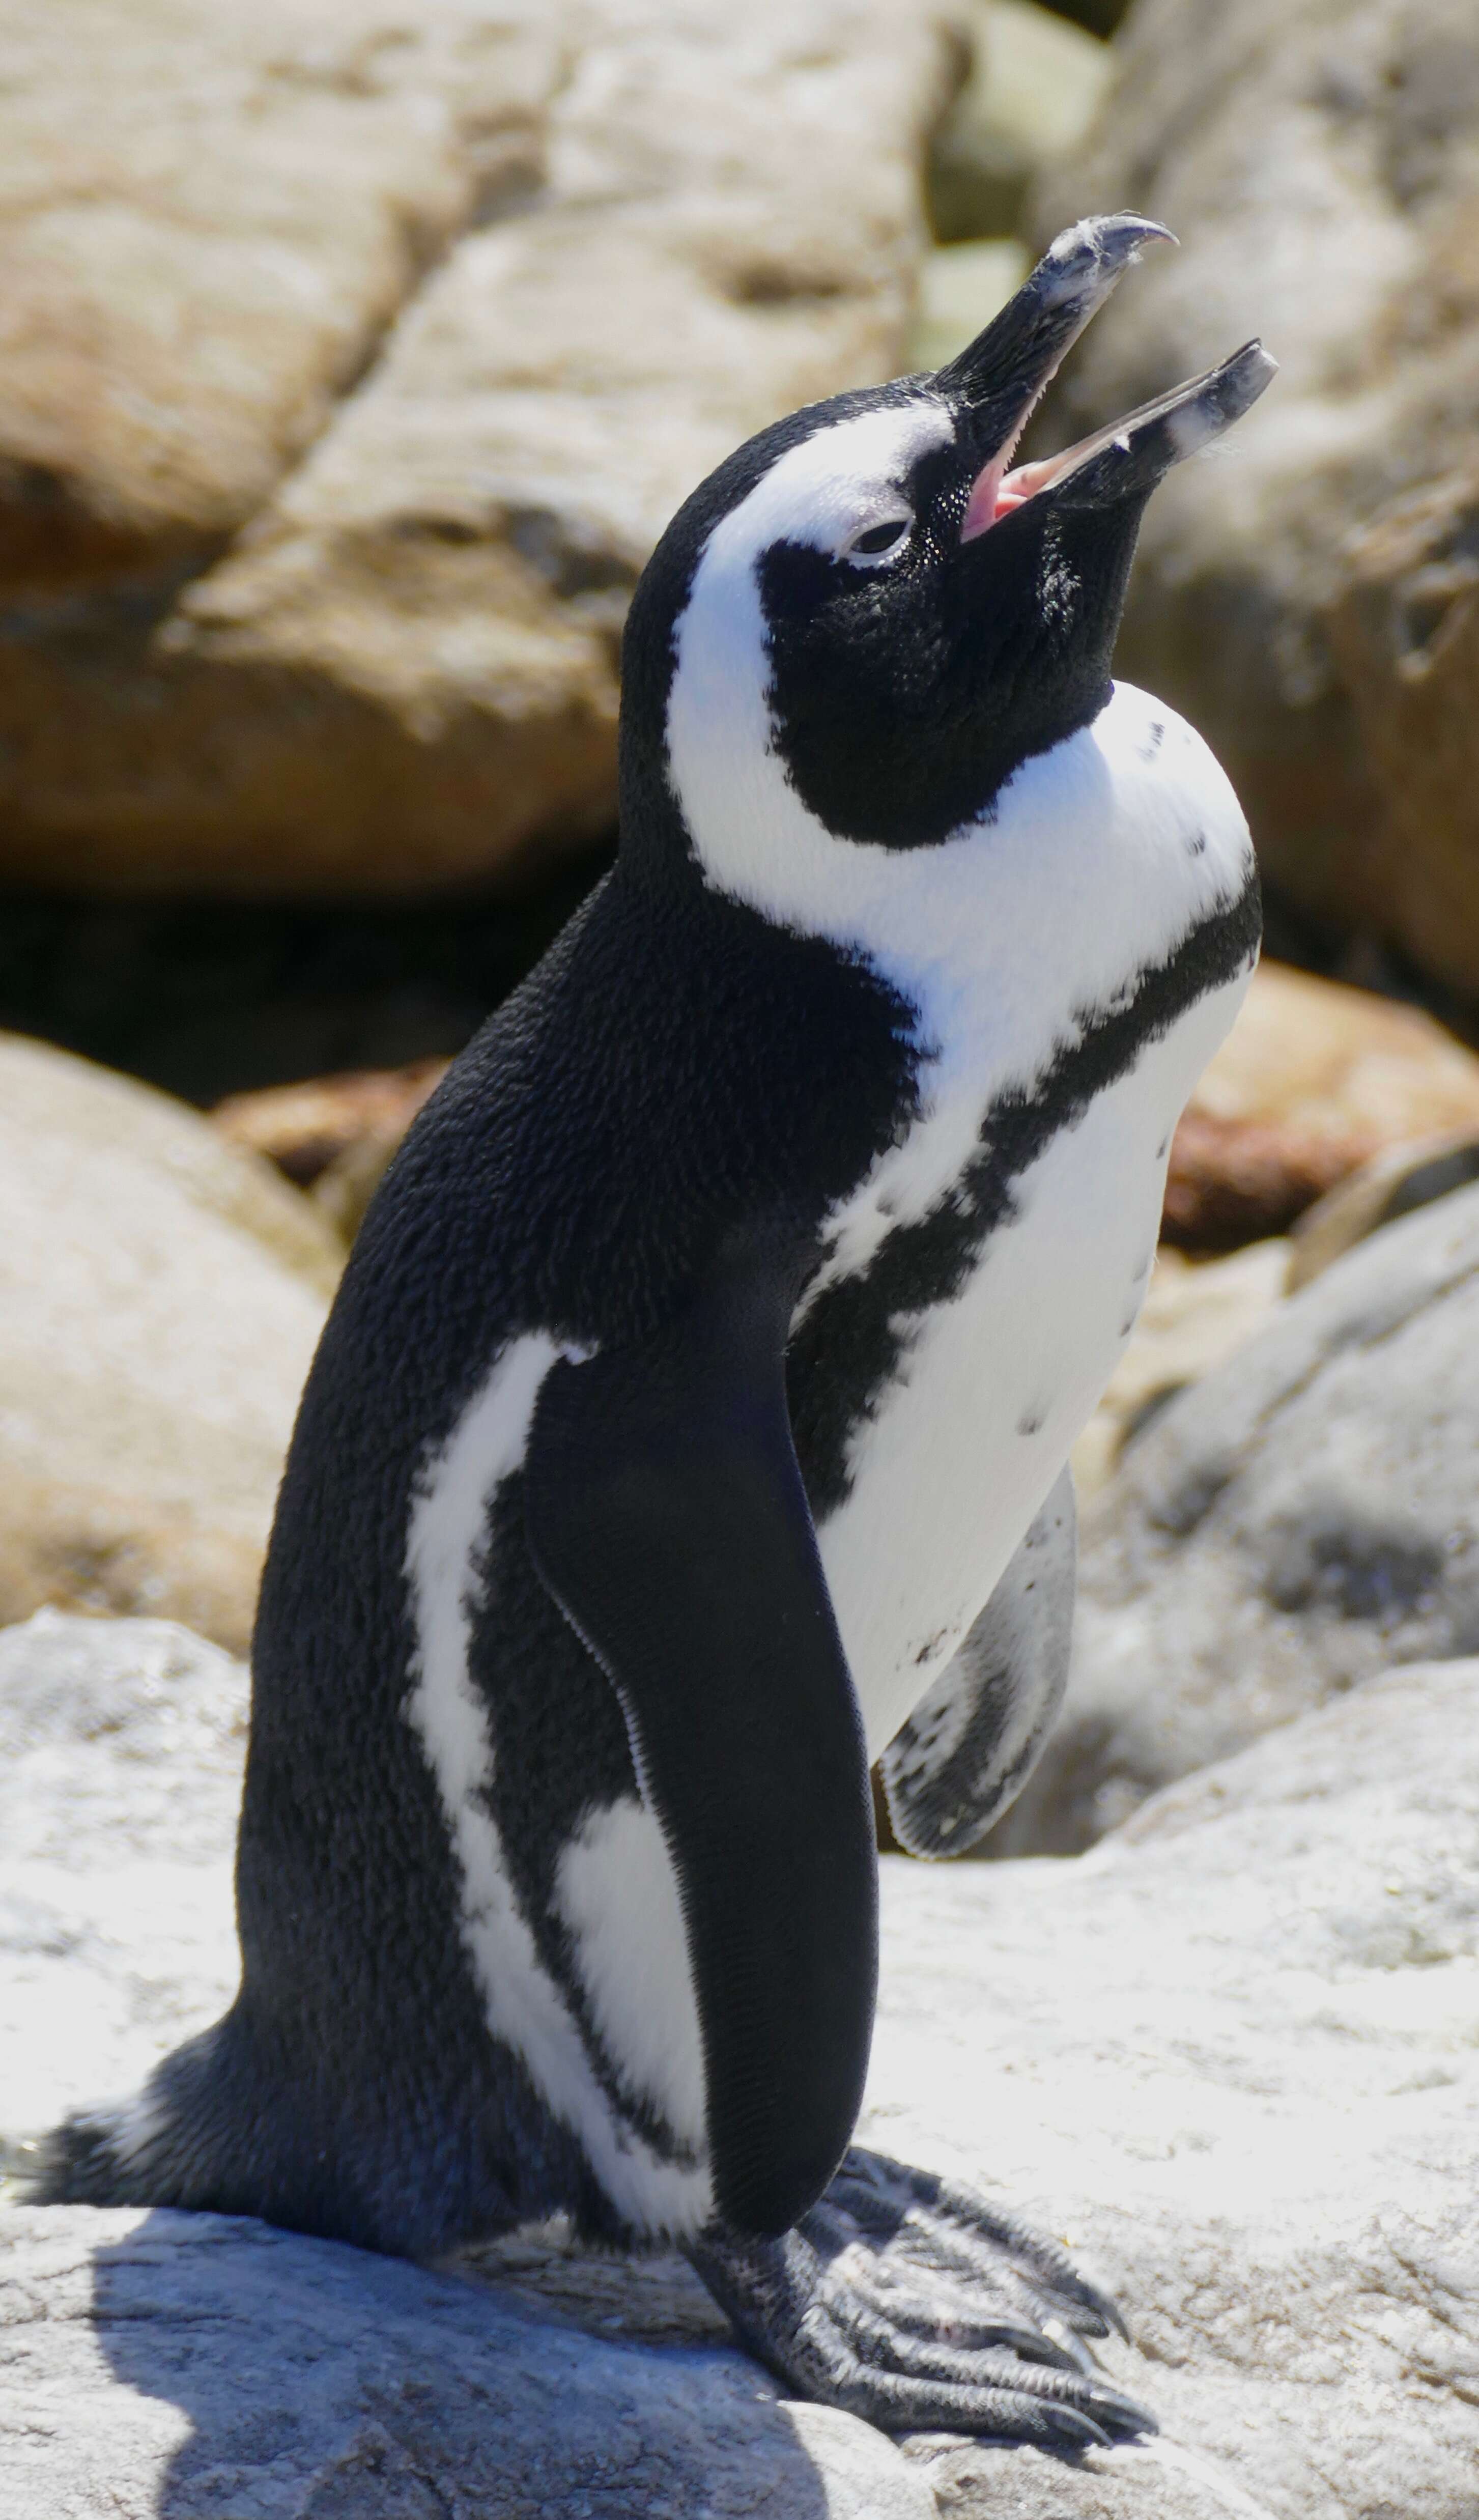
column 1196, row 843
column 1030, row 1425
column 1155, row 735
column 851, row 1344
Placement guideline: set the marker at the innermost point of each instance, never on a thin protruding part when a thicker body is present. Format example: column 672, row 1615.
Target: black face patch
column 904, row 697
column 653, row 841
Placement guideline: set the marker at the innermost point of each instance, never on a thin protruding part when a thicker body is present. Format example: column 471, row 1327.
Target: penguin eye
column 879, row 538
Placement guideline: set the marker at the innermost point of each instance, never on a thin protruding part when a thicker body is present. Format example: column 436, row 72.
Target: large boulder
column 1313, row 1082
column 1301, row 1517
column 1311, row 600
column 1228, row 2057
column 355, row 360
column 160, row 1296
column 1193, row 1318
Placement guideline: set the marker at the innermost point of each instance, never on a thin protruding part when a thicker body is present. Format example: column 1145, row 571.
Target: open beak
column 1002, row 376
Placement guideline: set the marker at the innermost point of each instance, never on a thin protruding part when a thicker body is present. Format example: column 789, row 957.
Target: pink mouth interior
column 997, row 491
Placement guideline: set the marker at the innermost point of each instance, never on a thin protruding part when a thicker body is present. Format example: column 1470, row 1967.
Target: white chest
column 1014, row 941
column 992, row 1387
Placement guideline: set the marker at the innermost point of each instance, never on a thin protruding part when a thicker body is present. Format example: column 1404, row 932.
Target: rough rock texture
column 1312, row 1081
column 1311, row 598
column 1193, row 1318
column 1229, row 2057
column 199, row 2368
column 1303, row 1516
column 161, row 1295
column 122, row 1743
column 355, row 362
column 1403, row 626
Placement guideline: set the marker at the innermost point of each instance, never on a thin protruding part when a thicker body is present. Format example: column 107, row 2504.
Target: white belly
column 966, row 1441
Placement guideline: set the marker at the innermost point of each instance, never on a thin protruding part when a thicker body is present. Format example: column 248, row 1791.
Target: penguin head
column 868, row 617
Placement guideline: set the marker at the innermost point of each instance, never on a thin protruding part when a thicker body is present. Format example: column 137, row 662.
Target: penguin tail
column 168, row 2143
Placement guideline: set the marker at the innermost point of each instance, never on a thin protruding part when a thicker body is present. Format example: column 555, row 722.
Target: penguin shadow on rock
column 691, row 1428
column 331, row 2384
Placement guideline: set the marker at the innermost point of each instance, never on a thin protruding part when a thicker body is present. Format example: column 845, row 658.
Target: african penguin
column 690, row 1425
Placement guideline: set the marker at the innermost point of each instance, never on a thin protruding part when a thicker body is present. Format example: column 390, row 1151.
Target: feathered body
column 880, row 1027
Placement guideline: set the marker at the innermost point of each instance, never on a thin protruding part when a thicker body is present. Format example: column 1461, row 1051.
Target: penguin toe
column 914, row 2304
column 930, row 2221
column 940, row 2306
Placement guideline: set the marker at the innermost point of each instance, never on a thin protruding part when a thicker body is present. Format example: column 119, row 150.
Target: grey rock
column 160, row 1296
column 189, row 2364
column 1306, row 1515
column 122, row 1743
column 1311, row 600
column 1228, row 2058
column 1191, row 1321
column 996, row 2482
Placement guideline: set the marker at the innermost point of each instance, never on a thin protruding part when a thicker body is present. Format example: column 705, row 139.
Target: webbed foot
column 910, row 2302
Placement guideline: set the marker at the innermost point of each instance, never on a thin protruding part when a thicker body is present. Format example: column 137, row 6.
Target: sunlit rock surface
column 160, row 1296
column 355, row 359
column 1306, row 1515
column 1310, row 594
column 1231, row 2057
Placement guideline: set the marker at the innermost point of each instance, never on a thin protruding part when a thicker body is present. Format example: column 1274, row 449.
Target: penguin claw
column 913, row 2303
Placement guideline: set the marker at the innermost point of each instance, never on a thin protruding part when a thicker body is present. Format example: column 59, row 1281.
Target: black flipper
column 666, row 1515
column 974, row 1738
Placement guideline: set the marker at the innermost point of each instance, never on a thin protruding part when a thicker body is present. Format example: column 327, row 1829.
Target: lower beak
column 1004, row 375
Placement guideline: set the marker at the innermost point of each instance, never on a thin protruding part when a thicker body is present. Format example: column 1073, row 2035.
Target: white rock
column 1229, row 2057
column 960, row 288
column 1301, row 1517
column 160, row 1296
column 122, row 1743
column 189, row 2364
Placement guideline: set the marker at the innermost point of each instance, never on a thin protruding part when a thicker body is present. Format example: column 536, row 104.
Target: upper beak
column 1005, row 373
